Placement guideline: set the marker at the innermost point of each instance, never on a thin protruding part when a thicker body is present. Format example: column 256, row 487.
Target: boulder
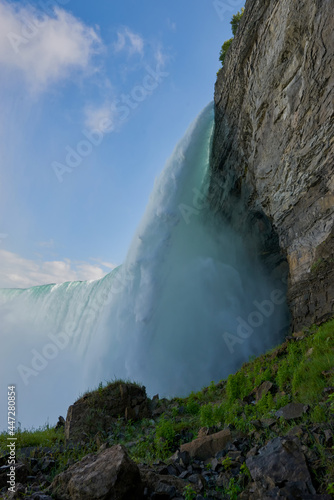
column 98, row 410
column 21, row 474
column 258, row 392
column 160, row 486
column 109, row 475
column 207, row 446
column 292, row 410
column 182, row 458
column 264, row 388
column 290, row 491
column 281, row 461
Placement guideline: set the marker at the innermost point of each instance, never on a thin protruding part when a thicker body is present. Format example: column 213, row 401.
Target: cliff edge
column 273, row 147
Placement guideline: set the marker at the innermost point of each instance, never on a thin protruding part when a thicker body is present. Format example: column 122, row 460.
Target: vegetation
column 224, row 49
column 104, row 389
column 189, row 493
column 300, row 369
column 44, row 437
column 235, row 21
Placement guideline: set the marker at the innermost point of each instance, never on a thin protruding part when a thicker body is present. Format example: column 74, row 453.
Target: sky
column 94, row 97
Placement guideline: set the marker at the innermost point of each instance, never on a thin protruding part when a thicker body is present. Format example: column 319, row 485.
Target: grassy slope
column 300, row 370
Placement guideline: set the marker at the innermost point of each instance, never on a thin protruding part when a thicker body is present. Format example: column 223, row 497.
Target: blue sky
column 94, row 96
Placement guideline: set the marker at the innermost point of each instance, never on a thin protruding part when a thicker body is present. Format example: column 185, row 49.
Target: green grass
column 44, row 437
column 106, row 388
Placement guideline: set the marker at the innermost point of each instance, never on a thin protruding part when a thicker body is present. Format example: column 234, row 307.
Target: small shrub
column 330, row 488
column 235, row 21
column 165, row 430
column 265, row 405
column 144, row 451
column 192, row 407
column 224, row 49
column 175, row 412
column 233, row 489
column 212, row 388
column 244, row 470
column 227, row 462
column 262, row 376
column 218, row 414
column 238, row 386
column 164, row 436
column 189, row 492
column 207, row 416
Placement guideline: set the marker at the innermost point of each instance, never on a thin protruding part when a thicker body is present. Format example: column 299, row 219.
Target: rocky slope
column 265, row 432
column 273, row 148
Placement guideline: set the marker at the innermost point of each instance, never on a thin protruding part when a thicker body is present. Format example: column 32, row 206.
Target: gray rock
column 160, row 485
column 273, row 148
column 264, row 388
column 328, row 437
column 292, row 410
column 181, row 457
column 164, row 490
column 21, row 474
column 109, row 474
column 281, row 460
column 104, row 407
column 207, row 446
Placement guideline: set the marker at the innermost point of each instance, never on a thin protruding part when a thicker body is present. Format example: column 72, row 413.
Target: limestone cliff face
column 273, row 150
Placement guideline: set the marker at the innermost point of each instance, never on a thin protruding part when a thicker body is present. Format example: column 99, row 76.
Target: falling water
column 189, row 304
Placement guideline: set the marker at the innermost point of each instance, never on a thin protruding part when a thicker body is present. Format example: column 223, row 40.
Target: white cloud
column 18, row 272
column 160, row 58
column 171, row 25
column 108, row 265
column 44, row 48
column 129, row 41
column 47, row 244
column 100, row 118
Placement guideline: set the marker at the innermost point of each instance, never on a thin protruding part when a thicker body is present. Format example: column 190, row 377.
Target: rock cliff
column 273, row 147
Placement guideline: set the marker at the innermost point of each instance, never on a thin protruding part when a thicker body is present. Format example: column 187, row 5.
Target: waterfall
column 189, row 304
